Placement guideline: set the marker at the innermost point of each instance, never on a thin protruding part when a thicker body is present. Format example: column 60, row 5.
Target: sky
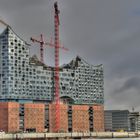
column 100, row 31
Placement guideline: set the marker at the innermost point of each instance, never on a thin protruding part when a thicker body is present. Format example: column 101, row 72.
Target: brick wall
column 80, row 118
column 98, row 118
column 63, row 117
column 34, row 117
column 9, row 116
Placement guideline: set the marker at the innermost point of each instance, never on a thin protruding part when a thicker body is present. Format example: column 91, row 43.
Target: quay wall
column 68, row 136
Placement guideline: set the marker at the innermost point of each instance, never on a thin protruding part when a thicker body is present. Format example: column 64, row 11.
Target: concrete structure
column 69, row 136
column 108, row 120
column 116, row 120
column 27, row 79
column 134, row 118
column 9, row 117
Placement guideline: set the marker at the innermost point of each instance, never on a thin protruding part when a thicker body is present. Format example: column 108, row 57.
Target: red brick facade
column 63, row 117
column 98, row 118
column 34, row 117
column 80, row 118
column 9, row 116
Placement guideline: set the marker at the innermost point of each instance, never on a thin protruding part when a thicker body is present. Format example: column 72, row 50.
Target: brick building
column 80, row 118
column 63, row 117
column 9, row 116
column 16, row 117
column 77, row 118
column 34, row 117
column 98, row 117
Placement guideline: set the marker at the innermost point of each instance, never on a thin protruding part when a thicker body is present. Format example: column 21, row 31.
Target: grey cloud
column 133, row 82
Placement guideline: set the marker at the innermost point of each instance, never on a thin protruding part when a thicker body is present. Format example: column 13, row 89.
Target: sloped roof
column 74, row 63
column 8, row 28
column 35, row 61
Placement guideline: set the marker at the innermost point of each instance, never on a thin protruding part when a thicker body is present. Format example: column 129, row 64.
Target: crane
column 57, row 46
column 42, row 43
column 4, row 23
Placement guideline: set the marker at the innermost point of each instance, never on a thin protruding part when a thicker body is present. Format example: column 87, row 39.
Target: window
column 12, row 43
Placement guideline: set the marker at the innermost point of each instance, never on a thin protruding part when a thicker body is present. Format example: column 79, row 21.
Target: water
column 115, row 139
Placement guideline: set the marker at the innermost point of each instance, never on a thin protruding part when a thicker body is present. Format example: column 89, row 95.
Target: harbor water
column 115, row 139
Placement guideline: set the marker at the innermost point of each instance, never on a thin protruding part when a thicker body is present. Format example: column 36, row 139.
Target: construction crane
column 57, row 46
column 4, row 23
column 42, row 44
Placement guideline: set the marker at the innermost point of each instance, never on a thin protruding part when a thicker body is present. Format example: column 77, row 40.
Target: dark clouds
column 130, row 83
column 100, row 31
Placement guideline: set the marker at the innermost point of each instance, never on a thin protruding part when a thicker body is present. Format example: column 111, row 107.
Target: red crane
column 42, row 43
column 57, row 46
column 56, row 41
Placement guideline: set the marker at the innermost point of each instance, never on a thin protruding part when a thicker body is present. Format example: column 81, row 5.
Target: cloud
column 130, row 83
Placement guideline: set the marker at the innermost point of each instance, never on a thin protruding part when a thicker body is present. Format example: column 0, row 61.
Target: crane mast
column 56, row 42
column 57, row 46
column 42, row 43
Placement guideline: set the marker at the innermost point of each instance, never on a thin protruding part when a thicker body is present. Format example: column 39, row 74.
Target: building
column 98, row 118
column 80, row 118
column 108, row 120
column 15, row 117
column 63, row 117
column 77, row 118
column 116, row 120
column 25, row 79
column 9, row 116
column 30, row 84
column 34, row 117
column 134, row 118
column 38, row 117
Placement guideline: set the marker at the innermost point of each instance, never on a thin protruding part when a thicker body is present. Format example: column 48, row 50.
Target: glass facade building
column 117, row 120
column 24, row 78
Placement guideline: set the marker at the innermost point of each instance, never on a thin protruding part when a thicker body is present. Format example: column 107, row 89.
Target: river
column 115, row 139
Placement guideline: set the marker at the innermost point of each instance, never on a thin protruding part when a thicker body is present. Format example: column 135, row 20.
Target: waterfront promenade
column 68, row 136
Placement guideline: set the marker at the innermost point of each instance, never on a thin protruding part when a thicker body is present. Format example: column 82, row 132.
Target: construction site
column 35, row 97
